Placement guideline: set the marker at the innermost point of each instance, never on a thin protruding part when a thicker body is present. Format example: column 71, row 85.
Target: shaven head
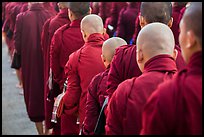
column 156, row 11
column 91, row 24
column 154, row 39
column 108, row 48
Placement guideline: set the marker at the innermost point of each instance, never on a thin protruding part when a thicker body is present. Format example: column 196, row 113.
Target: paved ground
column 14, row 117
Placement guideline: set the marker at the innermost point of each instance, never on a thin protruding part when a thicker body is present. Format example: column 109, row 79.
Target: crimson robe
column 104, row 10
column 176, row 106
column 66, row 40
column 126, row 21
column 113, row 19
column 28, row 46
column 124, row 66
column 95, row 98
column 137, row 29
column 94, row 7
column 50, row 26
column 124, row 111
column 50, row 8
column 176, row 22
column 81, row 67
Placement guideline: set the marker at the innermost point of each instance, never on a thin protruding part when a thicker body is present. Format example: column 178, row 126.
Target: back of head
column 80, row 9
column 109, row 46
column 156, row 11
column 192, row 19
column 92, row 24
column 155, row 39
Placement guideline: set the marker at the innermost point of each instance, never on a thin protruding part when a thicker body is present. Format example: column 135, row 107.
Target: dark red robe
column 126, row 21
column 95, row 98
column 104, row 10
column 176, row 20
column 124, row 66
column 137, row 29
column 28, row 46
column 113, row 19
column 176, row 106
column 82, row 66
column 50, row 26
column 124, row 111
column 66, row 40
column 50, row 8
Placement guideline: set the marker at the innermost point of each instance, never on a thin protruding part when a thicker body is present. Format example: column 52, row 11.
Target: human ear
column 175, row 54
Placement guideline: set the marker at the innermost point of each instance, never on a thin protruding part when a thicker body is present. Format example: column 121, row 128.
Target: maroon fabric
column 50, row 26
column 95, row 7
column 137, row 29
column 66, row 40
column 126, row 21
column 50, row 8
column 95, row 98
column 113, row 19
column 28, row 46
column 124, row 111
column 124, row 66
column 24, row 7
column 82, row 66
column 176, row 106
column 176, row 21
column 104, row 10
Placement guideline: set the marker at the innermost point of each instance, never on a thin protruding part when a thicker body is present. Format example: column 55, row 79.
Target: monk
column 97, row 88
column 176, row 8
column 104, row 10
column 176, row 106
column 155, row 58
column 50, row 26
column 126, row 21
column 28, row 46
column 50, row 8
column 123, row 65
column 65, row 41
column 81, row 67
column 111, row 22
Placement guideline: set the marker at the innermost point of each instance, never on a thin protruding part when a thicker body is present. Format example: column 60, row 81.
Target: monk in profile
column 176, row 106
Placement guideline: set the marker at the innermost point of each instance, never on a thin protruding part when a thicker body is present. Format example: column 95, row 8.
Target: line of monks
column 108, row 68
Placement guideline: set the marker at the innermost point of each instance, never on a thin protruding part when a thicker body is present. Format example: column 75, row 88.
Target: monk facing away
column 155, row 58
column 176, row 106
column 97, row 88
column 123, row 65
column 81, row 67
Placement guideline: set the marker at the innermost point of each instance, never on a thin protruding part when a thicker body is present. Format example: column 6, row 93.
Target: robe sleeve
column 45, row 35
column 55, row 57
column 114, row 76
column 18, row 33
column 156, row 117
column 115, row 112
column 73, row 91
column 92, row 107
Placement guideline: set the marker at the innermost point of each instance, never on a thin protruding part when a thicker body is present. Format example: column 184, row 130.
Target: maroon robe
column 176, row 106
column 28, row 46
column 124, row 66
column 113, row 19
column 50, row 26
column 137, row 29
column 50, row 8
column 95, row 98
column 82, row 66
column 94, row 7
column 66, row 40
column 104, row 10
column 124, row 111
column 176, row 22
column 126, row 21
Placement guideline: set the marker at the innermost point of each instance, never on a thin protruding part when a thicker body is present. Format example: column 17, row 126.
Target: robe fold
column 176, row 106
column 124, row 111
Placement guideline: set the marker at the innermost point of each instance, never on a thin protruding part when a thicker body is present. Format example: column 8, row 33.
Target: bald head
column 156, row 11
column 109, row 46
column 92, row 24
column 154, row 39
column 192, row 19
